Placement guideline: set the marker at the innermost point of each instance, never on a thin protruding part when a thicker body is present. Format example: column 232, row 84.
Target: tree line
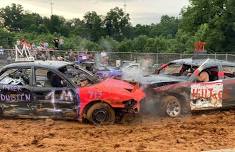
column 211, row 21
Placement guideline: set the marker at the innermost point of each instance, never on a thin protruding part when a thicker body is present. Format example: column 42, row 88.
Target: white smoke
column 135, row 71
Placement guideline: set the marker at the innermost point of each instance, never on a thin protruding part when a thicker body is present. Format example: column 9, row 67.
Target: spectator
column 46, row 45
column 61, row 43
column 60, row 58
column 71, row 56
column 9, row 59
column 53, row 57
column 33, row 46
column 56, row 43
column 18, row 42
column 1, row 51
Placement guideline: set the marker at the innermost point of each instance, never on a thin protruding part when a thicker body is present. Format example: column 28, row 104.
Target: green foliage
column 139, row 43
column 6, row 38
column 125, row 46
column 30, row 22
column 141, row 30
column 12, row 16
column 117, row 23
column 168, row 27
column 108, row 44
column 88, row 45
column 212, row 21
column 93, row 25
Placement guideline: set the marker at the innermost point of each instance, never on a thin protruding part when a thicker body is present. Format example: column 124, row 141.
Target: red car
column 63, row 90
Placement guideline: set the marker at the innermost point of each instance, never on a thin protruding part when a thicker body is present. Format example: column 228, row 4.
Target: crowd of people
column 44, row 52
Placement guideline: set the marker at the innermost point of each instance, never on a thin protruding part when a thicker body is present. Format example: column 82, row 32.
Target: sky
column 141, row 11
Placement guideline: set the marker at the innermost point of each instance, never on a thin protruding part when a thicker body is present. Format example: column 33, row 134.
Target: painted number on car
column 94, row 95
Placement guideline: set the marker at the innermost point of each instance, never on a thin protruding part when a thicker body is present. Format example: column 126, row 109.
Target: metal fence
column 8, row 56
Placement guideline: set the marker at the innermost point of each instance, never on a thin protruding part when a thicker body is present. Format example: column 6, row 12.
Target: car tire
column 101, row 113
column 171, row 107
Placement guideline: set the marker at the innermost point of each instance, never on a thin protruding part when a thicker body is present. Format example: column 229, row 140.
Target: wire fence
column 8, row 56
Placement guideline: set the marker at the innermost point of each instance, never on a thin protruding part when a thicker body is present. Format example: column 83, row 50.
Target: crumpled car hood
column 111, row 91
column 116, row 84
column 151, row 79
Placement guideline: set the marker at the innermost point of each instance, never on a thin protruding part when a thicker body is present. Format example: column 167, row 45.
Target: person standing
column 1, row 51
column 61, row 43
column 56, row 43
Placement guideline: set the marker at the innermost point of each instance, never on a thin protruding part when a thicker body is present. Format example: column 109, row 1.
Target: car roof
column 39, row 63
column 198, row 62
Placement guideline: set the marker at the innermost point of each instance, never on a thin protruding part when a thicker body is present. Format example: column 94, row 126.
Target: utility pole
column 52, row 7
column 125, row 5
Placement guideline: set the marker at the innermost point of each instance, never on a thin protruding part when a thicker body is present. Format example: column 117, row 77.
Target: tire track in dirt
column 200, row 132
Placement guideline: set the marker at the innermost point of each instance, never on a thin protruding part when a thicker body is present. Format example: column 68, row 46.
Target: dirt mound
column 194, row 133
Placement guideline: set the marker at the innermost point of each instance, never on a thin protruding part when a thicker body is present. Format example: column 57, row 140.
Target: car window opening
column 174, row 69
column 209, row 74
column 79, row 77
column 16, row 76
column 46, row 78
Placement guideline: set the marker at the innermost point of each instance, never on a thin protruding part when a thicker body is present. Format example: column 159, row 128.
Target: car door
column 15, row 91
column 207, row 95
column 53, row 95
column 228, row 74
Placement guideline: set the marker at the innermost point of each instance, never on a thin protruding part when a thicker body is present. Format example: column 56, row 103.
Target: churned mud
column 204, row 131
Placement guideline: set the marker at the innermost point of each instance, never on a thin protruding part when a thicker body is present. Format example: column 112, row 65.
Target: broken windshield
column 75, row 73
column 176, row 69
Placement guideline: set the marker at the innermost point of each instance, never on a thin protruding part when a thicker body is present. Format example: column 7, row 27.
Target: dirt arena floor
column 200, row 132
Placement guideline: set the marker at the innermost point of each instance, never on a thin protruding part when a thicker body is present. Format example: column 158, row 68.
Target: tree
column 125, row 46
column 139, row 43
column 88, row 45
column 117, row 24
column 108, row 44
column 12, row 16
column 57, row 25
column 32, row 22
column 218, row 15
column 93, row 26
column 141, row 30
column 168, row 27
column 6, row 38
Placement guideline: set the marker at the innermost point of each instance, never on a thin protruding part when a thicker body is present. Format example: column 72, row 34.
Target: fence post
column 215, row 56
column 157, row 59
column 131, row 57
column 226, row 57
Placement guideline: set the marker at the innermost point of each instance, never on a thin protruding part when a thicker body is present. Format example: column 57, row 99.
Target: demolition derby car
column 176, row 88
column 104, row 72
column 63, row 90
column 101, row 71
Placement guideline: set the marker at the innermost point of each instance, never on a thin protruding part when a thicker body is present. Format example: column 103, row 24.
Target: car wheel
column 101, row 113
column 171, row 106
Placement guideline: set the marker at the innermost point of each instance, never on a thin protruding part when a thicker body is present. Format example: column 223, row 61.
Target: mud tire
column 171, row 107
column 101, row 113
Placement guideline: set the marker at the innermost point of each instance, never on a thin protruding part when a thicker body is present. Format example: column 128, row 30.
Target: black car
column 174, row 89
column 40, row 89
column 63, row 90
